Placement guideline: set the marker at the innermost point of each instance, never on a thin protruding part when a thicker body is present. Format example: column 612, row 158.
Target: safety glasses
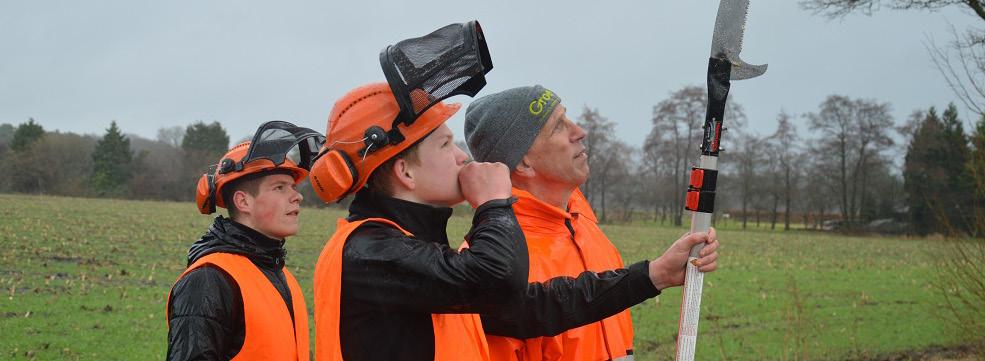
column 278, row 141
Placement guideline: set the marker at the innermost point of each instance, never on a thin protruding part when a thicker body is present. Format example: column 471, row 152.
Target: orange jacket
column 270, row 335
column 456, row 336
column 567, row 243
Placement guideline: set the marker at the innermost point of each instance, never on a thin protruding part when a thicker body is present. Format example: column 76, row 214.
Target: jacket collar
column 228, row 236
column 529, row 205
column 425, row 222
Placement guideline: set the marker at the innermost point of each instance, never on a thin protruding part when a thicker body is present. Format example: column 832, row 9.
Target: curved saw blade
column 726, row 43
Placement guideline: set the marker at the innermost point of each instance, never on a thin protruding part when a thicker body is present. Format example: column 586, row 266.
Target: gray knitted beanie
column 501, row 127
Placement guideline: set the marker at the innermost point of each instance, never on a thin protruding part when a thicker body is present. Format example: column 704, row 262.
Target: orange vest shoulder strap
column 301, row 335
column 328, row 289
column 212, row 258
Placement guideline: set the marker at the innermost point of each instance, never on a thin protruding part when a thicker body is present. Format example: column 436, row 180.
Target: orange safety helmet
column 357, row 141
column 270, row 149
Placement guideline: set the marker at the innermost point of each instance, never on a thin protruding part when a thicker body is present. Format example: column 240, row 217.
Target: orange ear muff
column 333, row 176
column 205, row 194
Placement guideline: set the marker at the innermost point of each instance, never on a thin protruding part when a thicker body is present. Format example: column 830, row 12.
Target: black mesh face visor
column 279, row 140
column 423, row 71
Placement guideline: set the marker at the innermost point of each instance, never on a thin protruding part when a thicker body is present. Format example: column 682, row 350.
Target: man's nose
column 578, row 133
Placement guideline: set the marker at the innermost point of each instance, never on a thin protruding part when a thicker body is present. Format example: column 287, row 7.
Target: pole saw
column 723, row 66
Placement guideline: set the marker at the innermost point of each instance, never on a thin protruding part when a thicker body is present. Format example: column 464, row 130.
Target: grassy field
column 88, row 279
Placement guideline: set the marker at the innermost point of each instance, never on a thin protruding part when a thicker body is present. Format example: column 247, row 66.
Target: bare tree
column 785, row 144
column 598, row 138
column 747, row 164
column 771, row 180
column 676, row 136
column 611, row 171
column 57, row 163
column 658, row 172
column 836, row 127
column 632, row 193
column 157, row 172
column 962, row 65
column 839, row 8
column 819, row 187
column 171, row 135
column 609, row 159
column 874, row 127
column 678, row 121
column 855, row 132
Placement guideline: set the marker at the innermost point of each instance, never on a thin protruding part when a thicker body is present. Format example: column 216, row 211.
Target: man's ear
column 243, row 202
column 523, row 169
column 403, row 174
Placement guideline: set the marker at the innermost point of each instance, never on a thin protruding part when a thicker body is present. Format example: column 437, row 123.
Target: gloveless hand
column 482, row 182
column 669, row 269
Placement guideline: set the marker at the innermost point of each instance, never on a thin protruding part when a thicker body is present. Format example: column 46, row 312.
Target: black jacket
column 206, row 311
column 392, row 283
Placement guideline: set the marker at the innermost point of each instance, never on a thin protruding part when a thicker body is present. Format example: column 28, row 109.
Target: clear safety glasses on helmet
column 278, row 141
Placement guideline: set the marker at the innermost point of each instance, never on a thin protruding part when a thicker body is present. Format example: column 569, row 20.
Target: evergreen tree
column 112, row 160
column 26, row 134
column 977, row 153
column 202, row 145
column 205, row 138
column 922, row 178
column 953, row 159
column 976, row 173
column 936, row 175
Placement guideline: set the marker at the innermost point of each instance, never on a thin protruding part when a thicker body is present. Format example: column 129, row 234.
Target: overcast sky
column 76, row 65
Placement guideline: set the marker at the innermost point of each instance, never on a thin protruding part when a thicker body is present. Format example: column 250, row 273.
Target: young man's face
column 436, row 172
column 274, row 210
column 557, row 155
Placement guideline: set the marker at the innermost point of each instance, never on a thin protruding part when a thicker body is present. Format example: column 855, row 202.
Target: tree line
column 846, row 165
column 113, row 165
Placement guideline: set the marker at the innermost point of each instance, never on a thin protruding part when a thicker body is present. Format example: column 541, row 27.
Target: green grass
column 88, row 279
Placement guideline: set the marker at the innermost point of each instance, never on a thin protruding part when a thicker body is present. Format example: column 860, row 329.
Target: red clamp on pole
column 701, row 190
column 693, row 198
column 703, row 179
column 697, row 177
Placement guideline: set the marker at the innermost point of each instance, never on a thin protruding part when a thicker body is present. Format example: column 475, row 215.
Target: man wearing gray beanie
column 527, row 129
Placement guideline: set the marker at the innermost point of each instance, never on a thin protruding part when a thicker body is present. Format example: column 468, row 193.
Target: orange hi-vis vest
column 456, row 336
column 557, row 250
column 270, row 335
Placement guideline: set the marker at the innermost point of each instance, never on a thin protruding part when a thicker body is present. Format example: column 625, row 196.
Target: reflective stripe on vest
column 456, row 336
column 270, row 335
column 555, row 250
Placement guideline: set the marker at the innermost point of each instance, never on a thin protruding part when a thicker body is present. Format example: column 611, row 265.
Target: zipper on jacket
column 567, row 223
column 605, row 336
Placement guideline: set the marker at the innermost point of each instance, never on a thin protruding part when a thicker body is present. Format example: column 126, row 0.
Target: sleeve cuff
column 493, row 204
column 641, row 280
